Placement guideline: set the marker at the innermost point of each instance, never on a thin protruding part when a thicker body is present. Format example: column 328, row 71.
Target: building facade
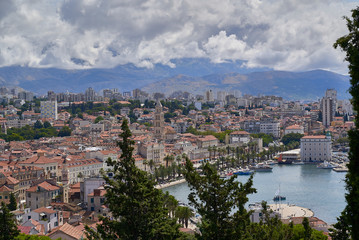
column 49, row 109
column 316, row 148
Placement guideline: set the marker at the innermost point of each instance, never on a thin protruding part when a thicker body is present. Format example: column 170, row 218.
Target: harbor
column 319, row 190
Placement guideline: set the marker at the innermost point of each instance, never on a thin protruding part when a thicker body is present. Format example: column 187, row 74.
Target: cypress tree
column 8, row 228
column 137, row 207
column 348, row 223
column 12, row 205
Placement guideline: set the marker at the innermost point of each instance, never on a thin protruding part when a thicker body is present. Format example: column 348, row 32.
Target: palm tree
column 171, row 204
column 145, row 162
column 169, row 158
column 210, row 151
column 187, row 214
column 151, row 163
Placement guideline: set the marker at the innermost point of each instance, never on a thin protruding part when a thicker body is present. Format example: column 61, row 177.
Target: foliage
column 219, row 135
column 267, row 138
column 138, row 208
column 65, row 131
column 28, row 133
column 98, row 119
column 12, row 205
column 8, row 228
column 23, row 236
column 349, row 219
column 291, row 137
column 38, row 125
column 220, row 202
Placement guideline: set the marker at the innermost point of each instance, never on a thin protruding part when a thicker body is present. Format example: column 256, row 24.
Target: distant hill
column 193, row 75
column 124, row 77
column 309, row 85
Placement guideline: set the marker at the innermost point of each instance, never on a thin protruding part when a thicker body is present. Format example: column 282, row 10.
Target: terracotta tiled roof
column 314, row 137
column 11, row 180
column 24, row 229
column 45, row 185
column 44, row 210
column 5, row 189
column 69, row 230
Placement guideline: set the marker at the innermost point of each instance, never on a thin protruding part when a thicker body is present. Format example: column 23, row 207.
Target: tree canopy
column 137, row 207
column 8, row 228
column 348, row 222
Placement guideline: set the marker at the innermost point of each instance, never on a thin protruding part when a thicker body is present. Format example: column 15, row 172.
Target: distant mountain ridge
column 310, row 85
column 192, row 75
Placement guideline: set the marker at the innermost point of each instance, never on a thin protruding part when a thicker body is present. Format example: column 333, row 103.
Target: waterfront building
column 49, row 109
column 316, row 148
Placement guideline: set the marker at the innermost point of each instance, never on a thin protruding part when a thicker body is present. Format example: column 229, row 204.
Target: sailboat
column 278, row 197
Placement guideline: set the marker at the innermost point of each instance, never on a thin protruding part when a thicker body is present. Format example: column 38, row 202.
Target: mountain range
column 192, row 75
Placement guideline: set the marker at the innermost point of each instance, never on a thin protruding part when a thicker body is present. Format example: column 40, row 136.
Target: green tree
column 137, row 207
column 31, row 237
column 220, row 202
column 291, row 138
column 38, row 124
column 47, row 124
column 98, row 119
column 307, row 229
column 8, row 228
column 65, row 131
column 350, row 45
column 12, row 205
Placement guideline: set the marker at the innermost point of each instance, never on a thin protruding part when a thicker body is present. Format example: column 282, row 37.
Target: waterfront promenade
column 169, row 184
column 290, row 210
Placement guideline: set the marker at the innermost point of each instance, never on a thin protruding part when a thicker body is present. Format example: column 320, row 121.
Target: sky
column 291, row 35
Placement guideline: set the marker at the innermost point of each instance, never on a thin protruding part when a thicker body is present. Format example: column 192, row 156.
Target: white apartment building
column 270, row 128
column 49, row 109
column 316, row 148
column 47, row 217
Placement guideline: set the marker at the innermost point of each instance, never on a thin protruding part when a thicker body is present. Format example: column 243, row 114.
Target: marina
column 319, row 190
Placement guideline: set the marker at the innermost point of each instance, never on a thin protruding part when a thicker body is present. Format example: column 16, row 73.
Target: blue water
column 321, row 190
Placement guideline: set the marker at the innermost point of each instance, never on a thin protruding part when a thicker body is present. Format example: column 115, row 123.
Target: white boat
column 260, row 167
column 326, row 165
column 270, row 162
column 298, row 163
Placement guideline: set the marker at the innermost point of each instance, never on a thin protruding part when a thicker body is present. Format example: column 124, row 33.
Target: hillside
column 309, row 85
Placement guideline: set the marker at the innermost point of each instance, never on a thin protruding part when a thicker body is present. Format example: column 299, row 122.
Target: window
column 92, row 209
column 92, row 200
column 0, row 197
column 6, row 197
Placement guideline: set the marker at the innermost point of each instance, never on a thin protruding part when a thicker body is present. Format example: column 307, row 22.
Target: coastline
column 161, row 186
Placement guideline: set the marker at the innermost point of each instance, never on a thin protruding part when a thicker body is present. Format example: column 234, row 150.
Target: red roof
column 314, row 137
column 45, row 185
column 44, row 210
column 69, row 230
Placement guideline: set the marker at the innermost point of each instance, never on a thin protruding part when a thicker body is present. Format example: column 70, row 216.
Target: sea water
column 321, row 190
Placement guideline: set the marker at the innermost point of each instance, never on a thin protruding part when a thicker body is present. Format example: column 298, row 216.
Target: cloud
column 282, row 34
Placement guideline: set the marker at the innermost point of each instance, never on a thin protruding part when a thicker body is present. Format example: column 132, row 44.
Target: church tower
column 159, row 127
